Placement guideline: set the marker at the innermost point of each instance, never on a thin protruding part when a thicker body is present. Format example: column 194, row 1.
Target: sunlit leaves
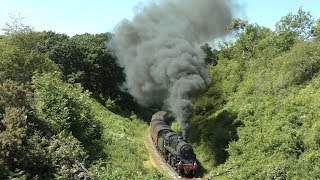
column 269, row 80
column 300, row 23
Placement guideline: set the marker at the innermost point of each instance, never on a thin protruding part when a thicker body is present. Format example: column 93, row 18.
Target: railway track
column 160, row 162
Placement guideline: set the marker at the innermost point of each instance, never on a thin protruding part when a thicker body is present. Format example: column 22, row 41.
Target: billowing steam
column 159, row 51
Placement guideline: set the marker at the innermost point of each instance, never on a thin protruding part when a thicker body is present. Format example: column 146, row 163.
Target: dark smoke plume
column 159, row 51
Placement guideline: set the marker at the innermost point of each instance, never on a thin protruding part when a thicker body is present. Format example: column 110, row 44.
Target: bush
column 68, row 157
column 64, row 107
column 13, row 138
column 302, row 63
column 13, row 94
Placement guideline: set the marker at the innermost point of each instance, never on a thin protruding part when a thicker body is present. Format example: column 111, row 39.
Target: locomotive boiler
column 171, row 146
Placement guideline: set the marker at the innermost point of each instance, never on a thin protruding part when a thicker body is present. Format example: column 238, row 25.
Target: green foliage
column 14, row 95
column 225, row 50
column 316, row 29
column 25, row 152
column 253, row 39
column 51, row 129
column 112, row 106
column 13, row 137
column 85, row 59
column 259, row 118
column 68, row 157
column 62, row 51
column 4, row 171
column 20, row 59
column 62, row 106
column 302, row 63
column 238, row 26
column 215, row 132
column 124, row 141
column 211, row 55
column 39, row 161
column 301, row 24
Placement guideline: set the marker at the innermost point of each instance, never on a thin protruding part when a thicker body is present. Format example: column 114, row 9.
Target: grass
column 123, row 143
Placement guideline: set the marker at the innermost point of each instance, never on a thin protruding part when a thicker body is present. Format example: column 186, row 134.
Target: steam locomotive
column 171, row 146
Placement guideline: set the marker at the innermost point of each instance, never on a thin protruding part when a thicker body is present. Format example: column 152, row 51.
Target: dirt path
column 158, row 162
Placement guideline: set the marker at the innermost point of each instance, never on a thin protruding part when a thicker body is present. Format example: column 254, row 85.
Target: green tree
column 102, row 75
column 20, row 59
column 302, row 63
column 300, row 23
column 64, row 107
column 14, row 95
column 13, row 138
column 33, row 143
column 63, row 52
column 225, row 50
column 211, row 55
column 316, row 30
column 252, row 41
column 86, row 59
column 238, row 26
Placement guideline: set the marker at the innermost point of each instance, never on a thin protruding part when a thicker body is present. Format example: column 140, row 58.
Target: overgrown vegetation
column 259, row 119
column 51, row 127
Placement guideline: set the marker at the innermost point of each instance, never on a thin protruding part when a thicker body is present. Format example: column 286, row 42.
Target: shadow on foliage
column 215, row 133
column 128, row 108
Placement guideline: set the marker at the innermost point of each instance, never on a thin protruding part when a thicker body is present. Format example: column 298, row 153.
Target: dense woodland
column 64, row 116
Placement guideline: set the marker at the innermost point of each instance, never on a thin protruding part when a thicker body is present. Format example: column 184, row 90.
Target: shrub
column 64, row 107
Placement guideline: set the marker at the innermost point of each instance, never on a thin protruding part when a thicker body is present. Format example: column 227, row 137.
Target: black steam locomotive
column 176, row 152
